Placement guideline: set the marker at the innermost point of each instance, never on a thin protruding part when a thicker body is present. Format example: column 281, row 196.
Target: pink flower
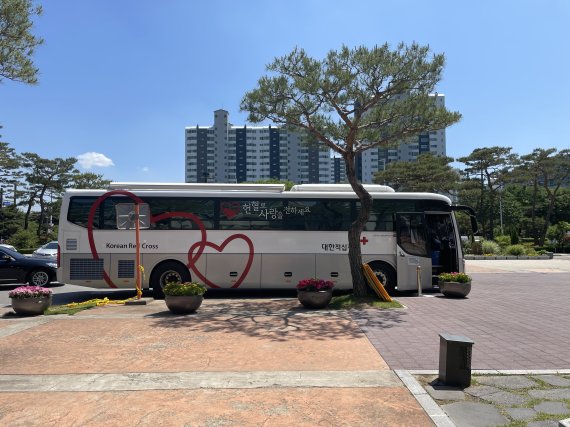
column 29, row 292
column 313, row 285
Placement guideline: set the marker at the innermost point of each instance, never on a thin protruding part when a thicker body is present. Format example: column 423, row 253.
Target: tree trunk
column 552, row 201
column 42, row 213
column 354, row 253
column 533, row 212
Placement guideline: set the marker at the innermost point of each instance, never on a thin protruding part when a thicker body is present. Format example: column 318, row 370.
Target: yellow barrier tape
column 98, row 302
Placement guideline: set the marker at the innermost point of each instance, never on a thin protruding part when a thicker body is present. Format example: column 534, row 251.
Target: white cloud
column 145, row 169
column 92, row 159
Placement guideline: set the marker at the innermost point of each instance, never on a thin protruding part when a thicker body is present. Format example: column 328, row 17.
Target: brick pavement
column 517, row 321
column 233, row 363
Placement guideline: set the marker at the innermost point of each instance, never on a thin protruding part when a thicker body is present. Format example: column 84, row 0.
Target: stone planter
column 183, row 304
column 315, row 299
column 455, row 289
column 31, row 306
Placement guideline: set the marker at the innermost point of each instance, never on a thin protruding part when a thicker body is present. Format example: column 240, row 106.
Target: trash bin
column 455, row 360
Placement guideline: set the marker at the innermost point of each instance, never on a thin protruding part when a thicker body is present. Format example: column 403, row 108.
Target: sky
column 120, row 80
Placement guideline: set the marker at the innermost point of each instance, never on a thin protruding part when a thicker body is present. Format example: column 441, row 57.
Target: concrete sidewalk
column 233, row 363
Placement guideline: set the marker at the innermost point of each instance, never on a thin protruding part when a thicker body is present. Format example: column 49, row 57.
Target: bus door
column 412, row 252
column 443, row 242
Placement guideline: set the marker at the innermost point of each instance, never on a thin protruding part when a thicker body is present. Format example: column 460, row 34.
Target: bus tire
column 170, row 271
column 386, row 274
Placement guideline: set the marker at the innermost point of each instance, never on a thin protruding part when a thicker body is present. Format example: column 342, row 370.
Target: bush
column 515, row 250
column 473, row 248
column 184, row 289
column 514, row 237
column 24, row 239
column 503, row 241
column 490, row 247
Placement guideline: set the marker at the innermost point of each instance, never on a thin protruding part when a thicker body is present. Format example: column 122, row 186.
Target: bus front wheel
column 386, row 274
column 166, row 273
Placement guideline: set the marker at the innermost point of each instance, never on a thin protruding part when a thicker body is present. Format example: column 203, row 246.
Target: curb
column 432, row 409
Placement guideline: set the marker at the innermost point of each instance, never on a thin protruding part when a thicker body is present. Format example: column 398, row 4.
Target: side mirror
column 5, row 257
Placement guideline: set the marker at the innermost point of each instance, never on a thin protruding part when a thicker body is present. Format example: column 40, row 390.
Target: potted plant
column 454, row 284
column 30, row 300
column 184, row 298
column 314, row 293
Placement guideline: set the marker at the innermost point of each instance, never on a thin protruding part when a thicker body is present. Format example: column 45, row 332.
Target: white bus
column 252, row 235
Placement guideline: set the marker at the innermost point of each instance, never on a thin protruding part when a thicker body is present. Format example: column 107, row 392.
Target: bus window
column 411, row 234
column 202, row 208
column 251, row 214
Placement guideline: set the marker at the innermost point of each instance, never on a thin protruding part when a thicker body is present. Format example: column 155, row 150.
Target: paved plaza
column 249, row 362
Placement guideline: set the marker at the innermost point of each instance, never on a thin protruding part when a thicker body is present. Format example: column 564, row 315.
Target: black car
column 17, row 268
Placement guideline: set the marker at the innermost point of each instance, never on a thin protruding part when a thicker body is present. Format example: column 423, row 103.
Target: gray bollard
column 455, row 360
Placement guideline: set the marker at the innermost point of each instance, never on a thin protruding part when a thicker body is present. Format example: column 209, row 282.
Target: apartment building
column 230, row 154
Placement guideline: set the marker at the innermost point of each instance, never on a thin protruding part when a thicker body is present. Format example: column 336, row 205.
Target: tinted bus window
column 318, row 215
column 78, row 211
column 202, row 208
column 251, row 214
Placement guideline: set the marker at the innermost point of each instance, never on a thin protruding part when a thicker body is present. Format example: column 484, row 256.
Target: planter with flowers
column 30, row 300
column 315, row 293
column 457, row 285
column 184, row 298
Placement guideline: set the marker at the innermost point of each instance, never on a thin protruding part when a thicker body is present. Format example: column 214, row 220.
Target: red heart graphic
column 220, row 248
column 230, row 209
column 201, row 244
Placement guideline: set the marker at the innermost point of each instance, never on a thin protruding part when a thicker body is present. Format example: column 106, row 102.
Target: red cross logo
column 364, row 240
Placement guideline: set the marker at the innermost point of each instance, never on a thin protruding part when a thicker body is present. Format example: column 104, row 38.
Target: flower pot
column 315, row 299
column 31, row 306
column 455, row 289
column 183, row 304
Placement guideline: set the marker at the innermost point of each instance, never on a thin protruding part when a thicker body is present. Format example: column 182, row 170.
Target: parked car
column 17, row 268
column 47, row 250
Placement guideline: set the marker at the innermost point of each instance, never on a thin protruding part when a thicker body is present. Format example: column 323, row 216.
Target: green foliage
column 473, row 247
column 351, row 101
column 184, row 289
column 11, row 220
column 88, row 180
column 69, row 310
column 514, row 237
column 454, row 277
column 559, row 233
column 490, row 247
column 17, row 43
column 427, row 174
column 24, row 239
column 503, row 241
column 288, row 184
column 349, row 301
column 515, row 250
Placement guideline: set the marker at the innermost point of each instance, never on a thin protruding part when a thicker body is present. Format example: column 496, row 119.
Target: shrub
column 503, row 241
column 490, row 247
column 515, row 250
column 24, row 239
column 184, row 289
column 472, row 247
column 454, row 277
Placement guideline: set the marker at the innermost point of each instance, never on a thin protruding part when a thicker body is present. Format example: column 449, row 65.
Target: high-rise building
column 377, row 159
column 227, row 153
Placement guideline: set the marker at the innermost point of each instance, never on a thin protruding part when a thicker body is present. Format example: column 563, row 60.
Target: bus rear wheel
column 166, row 273
column 386, row 274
